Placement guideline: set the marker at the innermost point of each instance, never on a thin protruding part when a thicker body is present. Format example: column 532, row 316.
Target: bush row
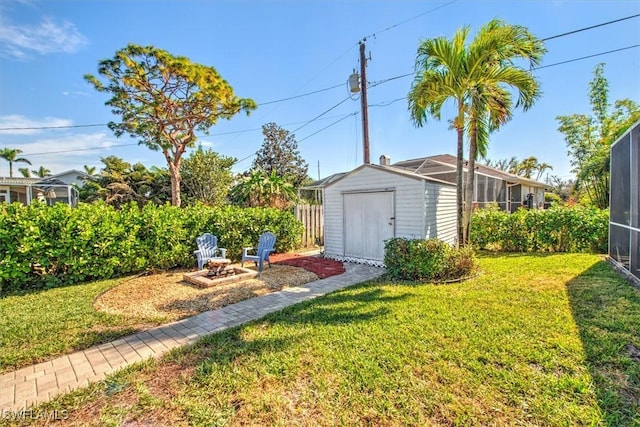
column 558, row 229
column 48, row 246
column 427, row 260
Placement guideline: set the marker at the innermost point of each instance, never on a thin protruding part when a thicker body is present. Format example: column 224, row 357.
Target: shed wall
column 422, row 209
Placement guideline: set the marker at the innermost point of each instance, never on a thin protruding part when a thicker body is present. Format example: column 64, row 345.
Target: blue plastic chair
column 266, row 245
column 208, row 249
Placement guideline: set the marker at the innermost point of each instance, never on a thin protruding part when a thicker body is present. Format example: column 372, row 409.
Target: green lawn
column 533, row 340
column 40, row 325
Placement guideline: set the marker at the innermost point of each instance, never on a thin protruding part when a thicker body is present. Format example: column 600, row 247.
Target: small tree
column 279, row 153
column 207, row 176
column 164, row 99
column 589, row 138
column 259, row 189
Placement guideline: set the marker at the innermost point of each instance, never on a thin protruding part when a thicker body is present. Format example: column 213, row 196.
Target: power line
column 589, row 28
column 328, row 126
column 300, row 96
column 321, row 114
column 411, row 19
column 586, row 57
column 306, row 137
column 55, row 127
column 78, row 149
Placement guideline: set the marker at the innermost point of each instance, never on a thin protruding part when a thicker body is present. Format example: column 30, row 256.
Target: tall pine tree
column 279, row 153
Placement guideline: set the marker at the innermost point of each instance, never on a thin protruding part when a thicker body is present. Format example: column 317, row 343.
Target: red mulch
column 322, row 267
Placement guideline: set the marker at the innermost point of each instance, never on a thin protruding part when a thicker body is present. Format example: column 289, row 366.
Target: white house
column 373, row 203
column 505, row 189
column 61, row 187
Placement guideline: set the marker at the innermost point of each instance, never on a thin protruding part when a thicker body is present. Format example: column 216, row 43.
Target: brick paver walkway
column 38, row 383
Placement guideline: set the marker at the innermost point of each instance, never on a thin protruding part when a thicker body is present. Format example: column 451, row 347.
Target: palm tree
column 41, row 172
column 473, row 77
column 25, row 172
column 11, row 156
column 491, row 72
column 440, row 63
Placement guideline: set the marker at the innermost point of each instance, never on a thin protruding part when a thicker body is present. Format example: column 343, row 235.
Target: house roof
column 321, row 183
column 447, row 162
column 17, row 180
column 391, row 169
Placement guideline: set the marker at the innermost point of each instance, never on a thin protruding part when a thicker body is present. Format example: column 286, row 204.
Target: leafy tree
column 563, row 188
column 119, row 182
column 26, row 172
column 164, row 99
column 207, row 177
column 589, row 138
column 476, row 77
column 260, row 189
column 506, row 165
column 11, row 156
column 279, row 152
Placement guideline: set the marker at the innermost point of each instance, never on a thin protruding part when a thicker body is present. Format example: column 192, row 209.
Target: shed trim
column 370, row 190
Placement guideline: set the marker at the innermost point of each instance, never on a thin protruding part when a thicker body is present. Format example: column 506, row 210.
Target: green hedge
column 558, row 229
column 427, row 260
column 48, row 246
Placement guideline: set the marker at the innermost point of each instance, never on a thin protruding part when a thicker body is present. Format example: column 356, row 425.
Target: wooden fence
column 312, row 220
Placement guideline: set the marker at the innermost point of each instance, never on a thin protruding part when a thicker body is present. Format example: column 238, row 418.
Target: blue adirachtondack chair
column 266, row 245
column 208, row 249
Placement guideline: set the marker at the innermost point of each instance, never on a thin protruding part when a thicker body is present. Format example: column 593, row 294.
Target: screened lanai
column 624, row 219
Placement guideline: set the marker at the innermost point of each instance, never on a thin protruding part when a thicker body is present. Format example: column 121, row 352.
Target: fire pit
column 218, row 268
column 218, row 273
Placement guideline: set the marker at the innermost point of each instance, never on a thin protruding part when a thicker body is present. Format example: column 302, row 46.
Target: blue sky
column 270, row 50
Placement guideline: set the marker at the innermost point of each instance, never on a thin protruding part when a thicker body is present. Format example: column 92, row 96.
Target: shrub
column 426, row 260
column 47, row 246
column 558, row 229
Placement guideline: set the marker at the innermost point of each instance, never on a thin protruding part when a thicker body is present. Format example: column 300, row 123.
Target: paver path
column 38, row 383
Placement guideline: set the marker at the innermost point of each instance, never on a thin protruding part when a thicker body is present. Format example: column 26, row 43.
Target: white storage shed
column 373, row 203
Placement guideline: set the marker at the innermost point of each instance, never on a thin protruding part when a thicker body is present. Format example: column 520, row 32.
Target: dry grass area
column 166, row 297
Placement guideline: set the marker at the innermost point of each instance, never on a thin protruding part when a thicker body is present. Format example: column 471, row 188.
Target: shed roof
column 389, row 169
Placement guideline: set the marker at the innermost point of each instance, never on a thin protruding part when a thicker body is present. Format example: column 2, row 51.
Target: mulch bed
column 322, row 267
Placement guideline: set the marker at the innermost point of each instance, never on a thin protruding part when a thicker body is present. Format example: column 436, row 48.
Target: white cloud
column 44, row 38
column 69, row 151
column 15, row 124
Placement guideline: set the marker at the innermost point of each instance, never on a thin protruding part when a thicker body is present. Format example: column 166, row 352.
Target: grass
column 534, row 340
column 37, row 326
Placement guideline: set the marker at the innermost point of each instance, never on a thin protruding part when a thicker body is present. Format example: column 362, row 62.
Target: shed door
column 368, row 222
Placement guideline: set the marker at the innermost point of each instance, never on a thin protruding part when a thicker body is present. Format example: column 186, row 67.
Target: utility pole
column 363, row 103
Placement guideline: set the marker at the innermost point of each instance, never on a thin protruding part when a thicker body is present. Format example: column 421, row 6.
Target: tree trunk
column 459, row 125
column 471, row 167
column 174, row 171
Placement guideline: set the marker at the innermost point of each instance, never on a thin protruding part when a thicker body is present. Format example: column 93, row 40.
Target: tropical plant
column 526, row 168
column 41, row 172
column 11, row 156
column 279, row 152
column 164, row 99
column 506, row 165
column 492, row 72
column 475, row 77
column 260, row 189
column 25, row 172
column 120, row 182
column 589, row 138
column 207, row 177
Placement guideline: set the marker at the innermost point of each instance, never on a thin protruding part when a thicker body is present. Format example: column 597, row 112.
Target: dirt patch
column 322, row 267
column 166, row 297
